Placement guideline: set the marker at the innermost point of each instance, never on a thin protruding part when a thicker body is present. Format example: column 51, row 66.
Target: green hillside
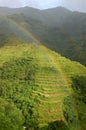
column 40, row 89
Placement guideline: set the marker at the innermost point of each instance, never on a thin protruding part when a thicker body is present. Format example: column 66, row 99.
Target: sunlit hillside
column 40, row 89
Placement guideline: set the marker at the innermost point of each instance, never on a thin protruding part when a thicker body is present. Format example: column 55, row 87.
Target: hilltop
column 40, row 89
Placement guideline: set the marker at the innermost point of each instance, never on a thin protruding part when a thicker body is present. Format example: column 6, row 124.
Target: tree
column 11, row 118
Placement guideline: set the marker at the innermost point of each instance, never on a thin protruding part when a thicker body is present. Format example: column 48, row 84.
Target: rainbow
column 28, row 33
column 22, row 29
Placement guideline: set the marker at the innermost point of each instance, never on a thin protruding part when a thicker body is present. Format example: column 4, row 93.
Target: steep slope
column 39, row 82
column 59, row 29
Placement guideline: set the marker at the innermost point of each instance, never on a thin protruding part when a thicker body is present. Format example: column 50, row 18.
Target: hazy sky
column 79, row 5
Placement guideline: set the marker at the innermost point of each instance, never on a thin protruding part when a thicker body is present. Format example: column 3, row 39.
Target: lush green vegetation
column 70, row 113
column 16, row 84
column 79, row 87
column 56, row 125
column 41, row 89
column 11, row 117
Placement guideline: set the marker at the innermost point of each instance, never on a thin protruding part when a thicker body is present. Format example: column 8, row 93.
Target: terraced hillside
column 53, row 87
column 39, row 82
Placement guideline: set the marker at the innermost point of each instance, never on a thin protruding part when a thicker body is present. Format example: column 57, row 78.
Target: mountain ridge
column 27, row 7
column 58, row 29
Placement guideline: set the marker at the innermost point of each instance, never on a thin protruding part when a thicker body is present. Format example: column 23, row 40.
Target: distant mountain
column 60, row 29
column 10, row 11
column 40, row 89
column 43, row 15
